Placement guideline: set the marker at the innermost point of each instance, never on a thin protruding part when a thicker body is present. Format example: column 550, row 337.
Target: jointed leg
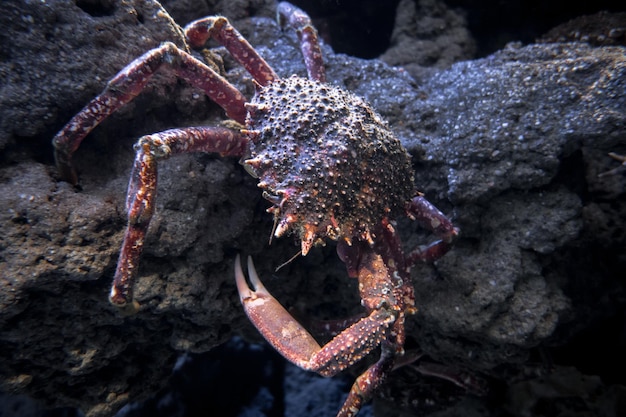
column 295, row 343
column 142, row 191
column 220, row 29
column 128, row 83
column 383, row 326
column 369, row 381
column 309, row 42
column 429, row 217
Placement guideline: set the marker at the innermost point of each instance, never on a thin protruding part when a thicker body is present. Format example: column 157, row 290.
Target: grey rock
column 510, row 146
column 428, row 36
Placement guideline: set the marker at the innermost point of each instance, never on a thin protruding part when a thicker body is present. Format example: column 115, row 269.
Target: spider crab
column 327, row 162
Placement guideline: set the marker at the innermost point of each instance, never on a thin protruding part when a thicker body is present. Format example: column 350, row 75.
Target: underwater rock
column 510, row 146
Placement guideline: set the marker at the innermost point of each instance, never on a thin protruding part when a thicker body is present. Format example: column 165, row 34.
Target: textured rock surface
column 428, row 36
column 61, row 46
column 510, row 146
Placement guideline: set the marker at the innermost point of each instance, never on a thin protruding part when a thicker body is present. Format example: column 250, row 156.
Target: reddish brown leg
column 369, row 381
column 295, row 343
column 142, row 191
column 220, row 29
column 292, row 16
column 383, row 295
column 429, row 217
column 128, row 83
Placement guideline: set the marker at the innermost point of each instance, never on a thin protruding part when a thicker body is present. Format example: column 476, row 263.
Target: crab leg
column 295, row 343
column 128, row 83
column 220, row 29
column 290, row 15
column 384, row 299
column 369, row 381
column 142, row 191
column 429, row 217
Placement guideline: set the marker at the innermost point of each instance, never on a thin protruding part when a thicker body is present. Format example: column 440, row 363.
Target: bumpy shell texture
column 328, row 162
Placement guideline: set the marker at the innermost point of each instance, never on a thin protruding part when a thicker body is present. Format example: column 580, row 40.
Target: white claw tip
column 240, row 279
column 254, row 278
column 245, row 292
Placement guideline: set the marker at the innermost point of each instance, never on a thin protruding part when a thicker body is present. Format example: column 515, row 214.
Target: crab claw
column 246, row 294
column 271, row 319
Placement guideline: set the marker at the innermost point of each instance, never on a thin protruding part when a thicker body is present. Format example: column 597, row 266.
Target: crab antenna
column 288, row 261
column 273, row 228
